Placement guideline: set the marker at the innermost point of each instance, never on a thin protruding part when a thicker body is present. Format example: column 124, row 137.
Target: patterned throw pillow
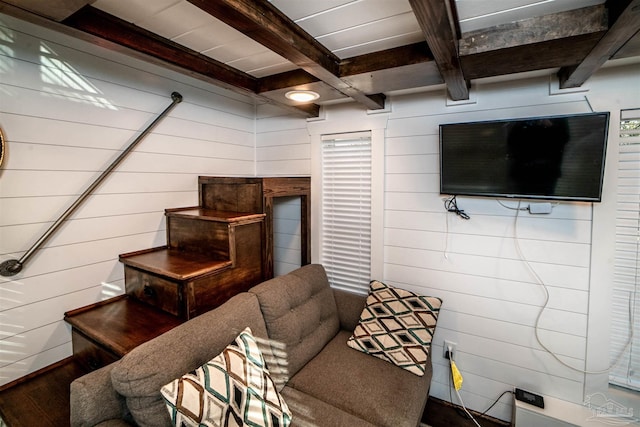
column 232, row 389
column 397, row 326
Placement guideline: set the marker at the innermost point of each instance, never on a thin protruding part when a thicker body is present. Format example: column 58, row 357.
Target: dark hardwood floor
column 43, row 400
column 40, row 400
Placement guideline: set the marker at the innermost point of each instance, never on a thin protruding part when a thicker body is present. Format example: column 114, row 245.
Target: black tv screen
column 554, row 157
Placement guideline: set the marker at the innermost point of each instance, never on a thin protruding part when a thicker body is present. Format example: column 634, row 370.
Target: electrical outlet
column 445, row 353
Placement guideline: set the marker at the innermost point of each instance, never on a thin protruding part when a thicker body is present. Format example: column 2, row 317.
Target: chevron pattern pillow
column 232, row 389
column 397, row 326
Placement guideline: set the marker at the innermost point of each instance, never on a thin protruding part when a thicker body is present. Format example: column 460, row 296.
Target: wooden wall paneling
column 33, row 289
column 27, row 317
column 83, row 230
column 35, row 341
column 278, row 168
column 511, row 332
column 539, row 251
column 275, row 154
column 33, row 363
column 276, row 140
column 283, row 138
column 34, row 183
column 51, row 259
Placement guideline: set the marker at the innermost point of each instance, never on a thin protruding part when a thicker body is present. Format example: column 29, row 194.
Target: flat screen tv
column 551, row 158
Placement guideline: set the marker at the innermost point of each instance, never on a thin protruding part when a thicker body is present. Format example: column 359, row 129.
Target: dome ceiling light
column 302, row 95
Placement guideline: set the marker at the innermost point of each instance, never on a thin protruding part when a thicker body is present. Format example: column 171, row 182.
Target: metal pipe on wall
column 12, row 267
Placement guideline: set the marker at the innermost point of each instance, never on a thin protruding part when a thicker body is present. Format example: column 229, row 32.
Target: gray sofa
column 327, row 383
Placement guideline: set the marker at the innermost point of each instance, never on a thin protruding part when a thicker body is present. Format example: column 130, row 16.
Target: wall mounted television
column 549, row 158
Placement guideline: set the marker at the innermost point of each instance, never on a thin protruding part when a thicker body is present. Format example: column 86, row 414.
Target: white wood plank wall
column 67, row 109
column 283, row 149
column 491, row 298
column 287, row 238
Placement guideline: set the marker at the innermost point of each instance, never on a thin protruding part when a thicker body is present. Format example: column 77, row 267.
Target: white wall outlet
column 449, row 350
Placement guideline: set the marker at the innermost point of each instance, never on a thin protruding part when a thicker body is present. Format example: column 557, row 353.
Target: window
column 346, row 210
column 625, row 317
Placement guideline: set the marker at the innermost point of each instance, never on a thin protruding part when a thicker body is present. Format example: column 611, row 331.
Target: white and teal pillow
column 397, row 325
column 232, row 389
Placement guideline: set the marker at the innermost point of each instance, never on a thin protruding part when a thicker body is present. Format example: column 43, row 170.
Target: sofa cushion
column 397, row 325
column 141, row 373
column 233, row 388
column 92, row 399
column 364, row 386
column 311, row 412
column 300, row 312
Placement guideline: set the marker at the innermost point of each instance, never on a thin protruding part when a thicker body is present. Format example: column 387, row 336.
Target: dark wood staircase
column 214, row 251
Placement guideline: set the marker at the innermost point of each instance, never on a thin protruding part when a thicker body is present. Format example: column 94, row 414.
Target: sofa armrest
column 350, row 307
column 93, row 399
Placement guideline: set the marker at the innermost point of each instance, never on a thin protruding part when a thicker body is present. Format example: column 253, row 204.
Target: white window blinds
column 626, row 298
column 346, row 210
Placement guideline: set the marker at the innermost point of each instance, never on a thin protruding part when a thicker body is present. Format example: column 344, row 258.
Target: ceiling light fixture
column 302, row 95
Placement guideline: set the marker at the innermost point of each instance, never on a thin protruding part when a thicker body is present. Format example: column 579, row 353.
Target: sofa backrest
column 140, row 374
column 300, row 313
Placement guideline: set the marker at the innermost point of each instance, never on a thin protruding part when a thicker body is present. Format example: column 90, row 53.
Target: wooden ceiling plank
column 438, row 28
column 264, row 23
column 115, row 30
column 626, row 25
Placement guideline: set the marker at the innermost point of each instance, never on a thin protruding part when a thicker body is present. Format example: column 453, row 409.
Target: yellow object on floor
column 456, row 375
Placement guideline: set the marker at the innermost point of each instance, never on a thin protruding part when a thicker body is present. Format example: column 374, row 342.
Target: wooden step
column 107, row 330
column 173, row 280
column 197, row 212
column 175, row 264
column 208, row 231
column 41, row 398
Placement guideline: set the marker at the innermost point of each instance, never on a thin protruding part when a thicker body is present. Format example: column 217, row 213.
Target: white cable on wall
column 546, row 303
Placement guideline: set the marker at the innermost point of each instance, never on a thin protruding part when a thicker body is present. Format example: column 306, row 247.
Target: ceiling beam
column 436, row 22
column 539, row 29
column 549, row 41
column 264, row 23
column 115, row 30
column 287, row 79
column 624, row 27
column 535, row 56
column 411, row 54
column 51, row 9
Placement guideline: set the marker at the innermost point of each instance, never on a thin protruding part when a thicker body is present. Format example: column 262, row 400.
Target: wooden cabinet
column 257, row 195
